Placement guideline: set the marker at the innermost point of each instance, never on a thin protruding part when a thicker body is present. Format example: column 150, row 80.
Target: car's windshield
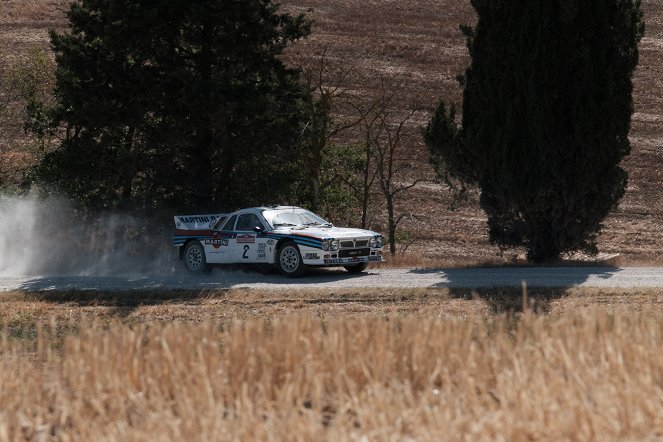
column 293, row 217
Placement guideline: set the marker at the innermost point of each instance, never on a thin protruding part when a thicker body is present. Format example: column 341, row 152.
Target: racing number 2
column 246, row 250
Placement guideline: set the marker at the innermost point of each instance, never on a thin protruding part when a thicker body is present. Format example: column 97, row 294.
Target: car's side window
column 247, row 221
column 230, row 224
column 219, row 223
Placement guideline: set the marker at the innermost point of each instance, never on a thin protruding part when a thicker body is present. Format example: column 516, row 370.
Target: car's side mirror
column 257, row 229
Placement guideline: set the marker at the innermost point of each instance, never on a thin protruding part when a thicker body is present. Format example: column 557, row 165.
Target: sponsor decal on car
column 262, row 255
column 216, row 241
column 246, row 239
column 352, row 260
column 196, row 219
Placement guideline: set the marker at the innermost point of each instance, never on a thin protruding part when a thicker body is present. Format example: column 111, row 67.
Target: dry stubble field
column 355, row 365
column 370, row 365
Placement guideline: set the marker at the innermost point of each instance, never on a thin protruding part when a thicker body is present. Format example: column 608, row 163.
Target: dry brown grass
column 591, row 375
column 21, row 312
column 425, row 364
column 31, row 12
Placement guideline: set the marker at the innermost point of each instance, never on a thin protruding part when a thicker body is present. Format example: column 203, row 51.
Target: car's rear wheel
column 289, row 260
column 194, row 257
column 356, row 268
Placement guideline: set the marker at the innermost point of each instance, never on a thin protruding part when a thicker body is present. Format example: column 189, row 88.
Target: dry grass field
column 416, row 49
column 413, row 365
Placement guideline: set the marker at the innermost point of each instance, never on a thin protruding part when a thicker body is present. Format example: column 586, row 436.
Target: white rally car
column 291, row 238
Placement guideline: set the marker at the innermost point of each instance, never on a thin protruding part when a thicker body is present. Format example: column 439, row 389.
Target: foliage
column 340, row 184
column 26, row 82
column 327, row 86
column 546, row 115
column 176, row 104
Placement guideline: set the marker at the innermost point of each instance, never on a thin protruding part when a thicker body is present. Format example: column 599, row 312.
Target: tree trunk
column 315, row 193
column 392, row 224
column 543, row 245
column 365, row 196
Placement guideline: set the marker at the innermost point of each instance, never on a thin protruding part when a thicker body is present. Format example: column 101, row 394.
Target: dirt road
column 331, row 279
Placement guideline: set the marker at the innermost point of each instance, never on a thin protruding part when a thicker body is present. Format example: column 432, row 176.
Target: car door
column 249, row 244
column 218, row 249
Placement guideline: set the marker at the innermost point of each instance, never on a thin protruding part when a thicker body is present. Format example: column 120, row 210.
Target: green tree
column 174, row 103
column 340, row 183
column 547, row 104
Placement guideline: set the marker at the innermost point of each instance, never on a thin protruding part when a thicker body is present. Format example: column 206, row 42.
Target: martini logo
column 216, row 241
column 195, row 219
column 246, row 239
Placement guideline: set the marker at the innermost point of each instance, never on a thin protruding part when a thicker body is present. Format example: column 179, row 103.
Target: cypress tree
column 547, row 104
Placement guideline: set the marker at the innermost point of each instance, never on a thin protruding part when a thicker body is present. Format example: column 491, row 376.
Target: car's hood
column 327, row 232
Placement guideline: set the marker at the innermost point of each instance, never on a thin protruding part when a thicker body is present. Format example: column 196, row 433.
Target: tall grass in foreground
column 592, row 375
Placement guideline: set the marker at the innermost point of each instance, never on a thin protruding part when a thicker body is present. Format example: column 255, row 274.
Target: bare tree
column 393, row 148
column 328, row 89
column 369, row 120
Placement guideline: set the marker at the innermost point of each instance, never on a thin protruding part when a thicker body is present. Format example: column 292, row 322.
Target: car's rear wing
column 197, row 222
column 196, row 227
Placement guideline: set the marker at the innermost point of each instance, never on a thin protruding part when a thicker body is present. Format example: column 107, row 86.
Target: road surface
column 336, row 278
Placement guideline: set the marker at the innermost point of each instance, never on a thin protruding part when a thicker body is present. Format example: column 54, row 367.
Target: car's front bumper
column 353, row 260
column 329, row 258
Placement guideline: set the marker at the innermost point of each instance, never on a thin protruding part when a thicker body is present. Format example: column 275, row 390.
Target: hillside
column 417, row 48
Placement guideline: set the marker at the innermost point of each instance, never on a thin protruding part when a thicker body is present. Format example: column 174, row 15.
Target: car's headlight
column 333, row 245
column 373, row 242
column 379, row 242
column 325, row 244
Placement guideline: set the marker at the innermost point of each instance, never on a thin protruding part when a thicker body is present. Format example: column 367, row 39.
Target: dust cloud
column 46, row 237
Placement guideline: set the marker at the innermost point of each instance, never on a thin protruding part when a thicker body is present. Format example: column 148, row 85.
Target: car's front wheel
column 194, row 257
column 289, row 260
column 356, row 268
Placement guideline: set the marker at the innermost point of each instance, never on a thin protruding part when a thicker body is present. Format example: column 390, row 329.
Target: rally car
column 291, row 238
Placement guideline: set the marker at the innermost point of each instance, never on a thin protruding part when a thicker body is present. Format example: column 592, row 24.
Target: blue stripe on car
column 301, row 240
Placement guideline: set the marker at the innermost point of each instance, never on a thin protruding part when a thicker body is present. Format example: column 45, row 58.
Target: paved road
column 373, row 278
